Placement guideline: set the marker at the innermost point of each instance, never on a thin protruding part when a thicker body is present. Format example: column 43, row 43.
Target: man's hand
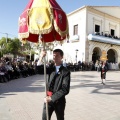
column 47, row 99
column 43, row 53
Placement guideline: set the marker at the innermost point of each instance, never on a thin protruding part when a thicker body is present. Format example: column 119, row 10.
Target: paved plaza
column 22, row 99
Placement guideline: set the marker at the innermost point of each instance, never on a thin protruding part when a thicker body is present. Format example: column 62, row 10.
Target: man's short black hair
column 60, row 51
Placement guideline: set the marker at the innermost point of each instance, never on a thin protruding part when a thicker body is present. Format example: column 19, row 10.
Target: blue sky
column 10, row 11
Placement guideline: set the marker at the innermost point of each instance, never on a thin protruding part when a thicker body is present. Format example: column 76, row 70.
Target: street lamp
column 6, row 37
column 82, row 56
column 76, row 54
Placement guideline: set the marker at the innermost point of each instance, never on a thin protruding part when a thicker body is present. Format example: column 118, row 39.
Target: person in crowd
column 96, row 65
column 22, row 69
column 79, row 64
column 16, row 70
column 116, row 66
column 9, row 69
column 34, row 64
column 2, row 75
column 58, row 86
column 83, row 66
column 4, row 72
column 103, row 70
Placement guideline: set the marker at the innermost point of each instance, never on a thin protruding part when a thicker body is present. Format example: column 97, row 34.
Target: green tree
column 2, row 46
column 14, row 46
column 10, row 45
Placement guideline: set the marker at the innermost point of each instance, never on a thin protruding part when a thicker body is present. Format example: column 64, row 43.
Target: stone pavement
column 22, row 99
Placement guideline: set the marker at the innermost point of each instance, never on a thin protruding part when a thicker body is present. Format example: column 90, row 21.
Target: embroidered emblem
column 23, row 21
column 40, row 20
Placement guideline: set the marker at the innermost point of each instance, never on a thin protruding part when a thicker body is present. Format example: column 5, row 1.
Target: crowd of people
column 81, row 66
column 110, row 65
column 91, row 66
column 13, row 69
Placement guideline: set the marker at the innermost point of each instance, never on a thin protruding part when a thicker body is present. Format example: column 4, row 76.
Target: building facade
column 93, row 29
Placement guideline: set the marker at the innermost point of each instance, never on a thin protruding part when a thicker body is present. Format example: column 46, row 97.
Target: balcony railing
column 104, row 39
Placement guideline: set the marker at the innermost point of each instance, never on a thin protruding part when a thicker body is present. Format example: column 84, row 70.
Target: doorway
column 96, row 54
column 111, row 55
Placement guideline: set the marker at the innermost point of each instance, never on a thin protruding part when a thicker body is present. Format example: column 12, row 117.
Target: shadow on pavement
column 30, row 84
column 111, row 87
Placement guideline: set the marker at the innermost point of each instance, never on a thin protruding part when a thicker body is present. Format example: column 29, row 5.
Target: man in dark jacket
column 58, row 87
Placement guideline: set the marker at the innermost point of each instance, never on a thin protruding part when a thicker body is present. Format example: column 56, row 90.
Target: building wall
column 86, row 18
column 70, row 48
column 106, row 24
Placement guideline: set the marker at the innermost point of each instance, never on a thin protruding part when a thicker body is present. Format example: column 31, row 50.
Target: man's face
column 57, row 58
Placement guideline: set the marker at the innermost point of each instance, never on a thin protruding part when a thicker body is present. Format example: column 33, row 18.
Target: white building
column 93, row 29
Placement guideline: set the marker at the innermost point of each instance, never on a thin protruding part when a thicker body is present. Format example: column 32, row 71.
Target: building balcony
column 104, row 39
column 74, row 38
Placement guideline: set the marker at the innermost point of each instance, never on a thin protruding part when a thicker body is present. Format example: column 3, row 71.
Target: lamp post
column 6, row 37
column 82, row 56
column 76, row 54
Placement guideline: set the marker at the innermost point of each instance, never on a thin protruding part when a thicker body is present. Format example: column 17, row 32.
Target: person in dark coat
column 58, row 87
column 103, row 70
